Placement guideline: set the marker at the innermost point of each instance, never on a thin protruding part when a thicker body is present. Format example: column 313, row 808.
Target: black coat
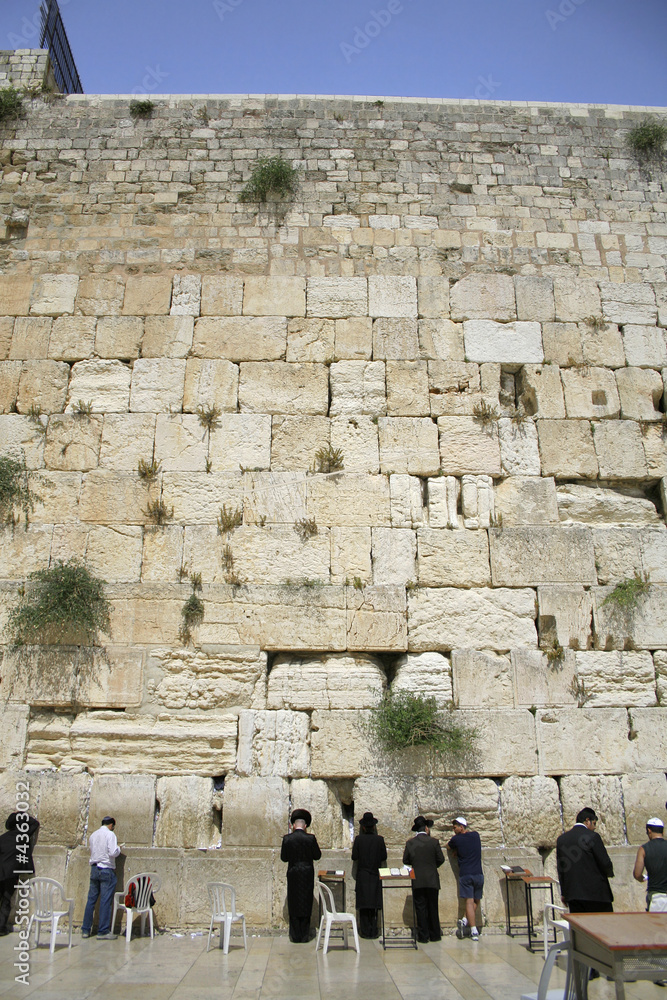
column 584, row 867
column 425, row 855
column 299, row 849
column 369, row 851
column 16, row 853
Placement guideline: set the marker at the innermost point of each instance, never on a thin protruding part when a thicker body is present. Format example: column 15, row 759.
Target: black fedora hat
column 421, row 823
column 301, row 814
column 368, row 819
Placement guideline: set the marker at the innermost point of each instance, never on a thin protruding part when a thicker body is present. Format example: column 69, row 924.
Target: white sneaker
column 461, row 927
column 474, row 934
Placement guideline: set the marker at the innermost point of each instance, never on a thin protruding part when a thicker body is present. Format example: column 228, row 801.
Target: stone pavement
column 273, row 969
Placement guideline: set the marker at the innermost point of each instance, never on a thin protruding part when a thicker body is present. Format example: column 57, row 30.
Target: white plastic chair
column 331, row 916
column 551, row 922
column 48, row 898
column 543, row 991
column 224, row 913
column 144, row 884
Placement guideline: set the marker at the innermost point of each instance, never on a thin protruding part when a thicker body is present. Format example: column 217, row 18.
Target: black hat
column 421, row 823
column 368, row 819
column 301, row 814
column 107, row 820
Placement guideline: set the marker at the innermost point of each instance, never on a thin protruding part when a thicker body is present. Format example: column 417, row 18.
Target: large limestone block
column 408, row 445
column 15, row 292
column 481, row 679
column 114, row 498
column 274, row 497
column 541, row 391
column 455, row 388
column 330, row 825
column 349, row 500
column 110, row 677
column 391, row 801
column 407, row 502
column 395, row 339
column 660, row 664
column 643, row 626
column 157, row 385
column 185, row 813
column 502, row 742
column 477, row 502
column 273, row 743
column 181, row 442
column 565, row 614
column 468, row 447
column 147, row 614
column 357, row 387
column 240, row 338
column 130, row 799
column 10, row 373
column 333, row 681
column 73, row 442
column 198, row 496
column 450, row 618
column 529, row 555
column 508, row 343
column 590, row 393
column 576, row 299
column 392, row 296
column 631, row 302
column 566, row 449
column 24, row 551
column 249, row 870
column 453, row 558
column 596, row 791
column 600, row 504
column 340, row 746
column 147, row 295
column 279, row 387
column 72, row 338
column 661, row 301
column 407, row 389
column 62, row 801
column 601, row 345
column 274, row 296
column 59, row 494
column 310, row 340
column 221, row 295
column 433, row 297
column 530, row 811
column 186, row 295
column 357, row 438
column 98, row 296
column 43, row 386
column 519, row 452
column 534, row 298
column 640, row 391
column 394, row 551
column 539, row 684
column 114, row 553
column 30, row 339
column 440, row 339
column 655, row 449
column 210, row 382
column 376, row 618
column 296, row 440
column 526, row 500
column 164, row 745
column 162, row 557
column 440, row 799
column 483, row 296
column 126, row 439
column 648, row 733
column 350, row 555
column 427, row 674
column 266, row 555
column 354, row 339
column 54, row 294
column 241, row 440
column 643, row 797
column 618, row 554
column 119, row 337
column 618, row 446
column 167, row 337
column 255, row 811
column 623, row 679
column 47, row 744
column 103, row 384
column 603, row 732
column 15, row 722
column 337, row 298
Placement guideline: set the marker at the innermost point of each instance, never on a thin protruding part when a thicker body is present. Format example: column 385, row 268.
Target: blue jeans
column 102, row 884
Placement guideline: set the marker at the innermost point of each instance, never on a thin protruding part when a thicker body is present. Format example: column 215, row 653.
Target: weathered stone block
column 10, row 373
column 590, row 393
column 603, row 731
column 519, row 453
column 185, row 813
column 59, row 494
column 210, row 382
column 273, row 743
column 6, row 333
column 530, row 555
column 566, row 449
column 449, row 618
column 163, row 554
column 357, row 438
column 467, row 447
column 30, row 339
column 440, row 339
column 477, row 502
column 562, row 344
column 325, row 681
column 255, row 811
column 167, row 337
column 310, row 340
column 278, row 387
column 529, row 500
column 443, row 502
column 376, row 618
column 643, row 797
column 105, row 384
column 618, row 446
column 539, row 684
column 427, row 674
column 354, row 339
column 274, row 296
column 198, row 496
column 530, row 804
column 631, row 302
column 114, row 498
column 393, row 553
column 642, row 627
column 407, row 389
column 42, row 386
column 453, row 558
column 72, row 338
column 618, row 553
column 408, row 445
column 357, row 387
column 337, row 298
column 157, row 385
column 481, row 679
column 54, row 294
column 296, row 440
column 349, row 500
column 221, row 295
column 395, row 339
column 534, row 298
column 599, row 792
column 455, row 388
column 126, row 438
column 541, row 392
column 597, row 504
column 147, row 295
column 391, row 801
column 407, row 504
column 241, row 440
column 624, row 679
column 218, row 677
column 576, row 299
column 645, row 346
column 507, row 343
column 274, row 497
column 261, row 554
column 330, row 825
column 433, row 297
column 186, row 295
column 565, row 614
column 647, row 736
column 15, row 721
column 641, row 392
column 392, row 296
column 484, row 297
column 15, row 292
column 100, row 296
column 181, row 442
column 442, row 798
column 73, row 442
column 130, row 799
column 62, row 806
column 240, row 338
column 114, row 553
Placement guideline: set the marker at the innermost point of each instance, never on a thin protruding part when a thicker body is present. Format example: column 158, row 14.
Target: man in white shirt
column 104, row 850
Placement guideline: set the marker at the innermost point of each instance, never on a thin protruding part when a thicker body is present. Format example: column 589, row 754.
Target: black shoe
column 4, row 931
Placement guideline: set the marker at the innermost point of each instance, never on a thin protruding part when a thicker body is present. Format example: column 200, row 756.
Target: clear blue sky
column 597, row 51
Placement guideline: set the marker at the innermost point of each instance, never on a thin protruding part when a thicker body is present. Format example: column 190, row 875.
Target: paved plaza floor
column 178, row 968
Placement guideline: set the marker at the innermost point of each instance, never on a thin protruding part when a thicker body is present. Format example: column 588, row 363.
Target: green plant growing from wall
column 271, row 176
column 306, row 528
column 209, row 417
column 403, row 720
column 192, row 612
column 157, row 512
column 579, row 692
column 229, row 520
column 148, row 469
column 82, row 408
column 485, row 415
column 62, row 601
column 11, row 103
column 328, row 459
column 141, row 109
column 627, row 594
column 647, row 140
column 16, row 494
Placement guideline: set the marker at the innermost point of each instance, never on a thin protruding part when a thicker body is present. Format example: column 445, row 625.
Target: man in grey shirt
column 104, row 850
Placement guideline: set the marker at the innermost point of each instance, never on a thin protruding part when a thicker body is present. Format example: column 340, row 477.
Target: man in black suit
column 584, row 867
column 424, row 854
column 299, row 849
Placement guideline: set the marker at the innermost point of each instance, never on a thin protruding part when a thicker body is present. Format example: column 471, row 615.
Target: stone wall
column 470, row 302
column 27, row 68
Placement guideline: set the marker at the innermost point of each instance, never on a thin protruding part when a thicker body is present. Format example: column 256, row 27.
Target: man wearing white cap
column 467, row 846
column 652, row 856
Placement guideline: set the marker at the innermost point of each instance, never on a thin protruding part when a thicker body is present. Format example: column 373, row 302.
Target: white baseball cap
column 460, row 820
column 654, row 821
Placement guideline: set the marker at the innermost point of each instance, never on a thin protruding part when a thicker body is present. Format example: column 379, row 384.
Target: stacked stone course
column 442, row 261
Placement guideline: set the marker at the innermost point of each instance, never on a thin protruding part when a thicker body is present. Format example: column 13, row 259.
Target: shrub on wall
column 272, row 176
column 16, row 494
column 59, row 603
column 403, row 720
column 11, row 103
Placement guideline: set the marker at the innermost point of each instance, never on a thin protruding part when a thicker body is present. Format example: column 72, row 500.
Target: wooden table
column 402, row 940
column 624, row 946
